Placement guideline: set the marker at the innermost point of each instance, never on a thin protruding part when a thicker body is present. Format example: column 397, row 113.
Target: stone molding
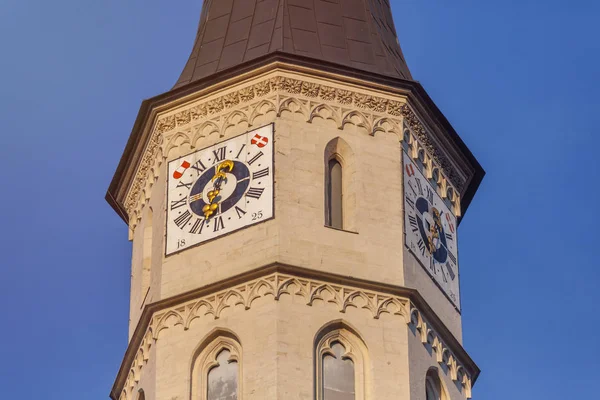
column 215, row 115
column 277, row 283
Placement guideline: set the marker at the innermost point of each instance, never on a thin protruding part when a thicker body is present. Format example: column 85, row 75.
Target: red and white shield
column 180, row 171
column 259, row 141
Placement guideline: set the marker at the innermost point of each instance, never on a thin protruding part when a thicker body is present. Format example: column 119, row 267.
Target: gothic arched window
column 216, row 370
column 340, row 193
column 335, row 195
column 340, row 359
column 223, row 378
column 338, row 374
column 433, row 387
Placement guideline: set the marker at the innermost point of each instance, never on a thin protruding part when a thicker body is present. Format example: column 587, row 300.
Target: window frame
column 337, row 149
column 207, row 360
column 333, row 161
column 355, row 351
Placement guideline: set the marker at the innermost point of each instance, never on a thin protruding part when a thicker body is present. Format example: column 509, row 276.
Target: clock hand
column 218, row 179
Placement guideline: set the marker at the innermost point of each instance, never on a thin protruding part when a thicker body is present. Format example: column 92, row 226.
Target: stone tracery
column 278, row 94
column 276, row 285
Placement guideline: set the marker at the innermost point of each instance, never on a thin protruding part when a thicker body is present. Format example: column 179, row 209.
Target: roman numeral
column 412, row 188
column 430, row 195
column 240, row 212
column 452, row 258
column 240, row 152
column 421, row 246
column 443, row 276
column 183, row 219
column 220, row 154
column 419, row 187
column 186, row 185
column 199, row 166
column 413, row 222
column 450, row 271
column 198, row 226
column 449, row 236
column 218, row 224
column 178, row 203
column 261, row 173
column 410, row 203
column 256, row 157
column 255, row 193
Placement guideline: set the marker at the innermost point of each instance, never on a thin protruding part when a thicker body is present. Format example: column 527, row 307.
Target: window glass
column 338, row 375
column 223, row 379
column 432, row 388
column 335, row 195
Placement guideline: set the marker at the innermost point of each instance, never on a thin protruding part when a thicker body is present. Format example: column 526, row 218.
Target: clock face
column 430, row 230
column 220, row 189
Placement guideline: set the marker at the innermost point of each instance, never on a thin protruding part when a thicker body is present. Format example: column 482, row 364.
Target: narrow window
column 338, row 375
column 431, row 392
column 433, row 387
column 222, row 382
column 334, row 195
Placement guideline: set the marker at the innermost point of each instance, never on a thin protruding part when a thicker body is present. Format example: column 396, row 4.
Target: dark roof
column 354, row 33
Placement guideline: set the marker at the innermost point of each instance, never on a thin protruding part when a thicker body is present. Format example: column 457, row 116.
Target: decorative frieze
column 425, row 140
column 278, row 94
column 276, row 285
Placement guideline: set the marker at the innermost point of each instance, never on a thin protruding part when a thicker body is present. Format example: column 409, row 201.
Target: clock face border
column 406, row 162
column 272, row 167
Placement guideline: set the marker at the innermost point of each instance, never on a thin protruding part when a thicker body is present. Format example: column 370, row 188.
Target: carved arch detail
column 354, row 349
column 315, row 293
column 206, row 357
column 206, row 117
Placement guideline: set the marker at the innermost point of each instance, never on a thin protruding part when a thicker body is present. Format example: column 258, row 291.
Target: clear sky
column 518, row 80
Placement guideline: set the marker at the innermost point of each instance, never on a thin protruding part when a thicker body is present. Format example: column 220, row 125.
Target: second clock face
column 220, row 189
column 430, row 230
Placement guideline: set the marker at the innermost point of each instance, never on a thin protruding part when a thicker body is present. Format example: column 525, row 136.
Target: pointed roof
column 353, row 33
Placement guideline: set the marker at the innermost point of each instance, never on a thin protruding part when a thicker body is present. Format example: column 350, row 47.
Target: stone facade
column 274, row 286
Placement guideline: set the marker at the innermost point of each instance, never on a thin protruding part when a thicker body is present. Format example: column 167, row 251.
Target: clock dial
column 220, row 189
column 430, row 230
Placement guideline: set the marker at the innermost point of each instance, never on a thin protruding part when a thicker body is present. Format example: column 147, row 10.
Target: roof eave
column 115, row 195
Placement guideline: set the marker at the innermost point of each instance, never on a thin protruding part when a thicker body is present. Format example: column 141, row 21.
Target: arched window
column 340, row 359
column 433, row 387
column 335, row 195
column 141, row 395
column 147, row 256
column 338, row 374
column 216, row 369
column 340, row 193
column 223, row 378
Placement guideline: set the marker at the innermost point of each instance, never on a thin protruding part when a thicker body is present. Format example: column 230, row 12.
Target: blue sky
column 517, row 79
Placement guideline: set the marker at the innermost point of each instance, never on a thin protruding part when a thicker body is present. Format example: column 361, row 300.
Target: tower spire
column 353, row 33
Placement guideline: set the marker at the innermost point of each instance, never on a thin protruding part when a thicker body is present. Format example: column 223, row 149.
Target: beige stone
column 362, row 277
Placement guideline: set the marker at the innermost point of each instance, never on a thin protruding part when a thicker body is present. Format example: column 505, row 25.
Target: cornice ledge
column 279, row 279
column 366, row 107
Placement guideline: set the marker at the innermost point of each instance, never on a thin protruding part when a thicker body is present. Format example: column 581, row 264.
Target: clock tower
column 294, row 204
